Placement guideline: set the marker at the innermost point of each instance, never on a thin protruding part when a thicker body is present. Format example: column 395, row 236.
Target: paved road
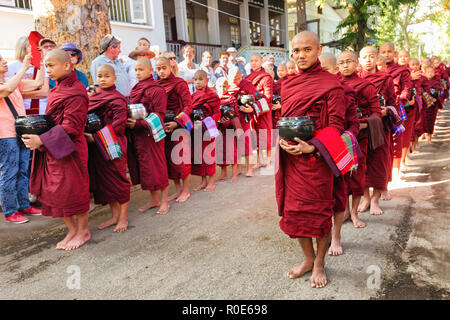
column 227, row 245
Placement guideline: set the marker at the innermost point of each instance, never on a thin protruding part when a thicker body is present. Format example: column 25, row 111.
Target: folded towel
column 376, row 130
column 155, row 124
column 109, row 142
column 264, row 105
column 211, row 127
column 185, row 121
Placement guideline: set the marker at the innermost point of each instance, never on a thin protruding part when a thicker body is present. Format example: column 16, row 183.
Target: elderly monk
column 378, row 160
column 367, row 100
column 402, row 88
column 108, row 178
column 239, row 87
column 177, row 150
column 147, row 158
column 411, row 109
column 263, row 83
column 304, row 181
column 203, row 146
column 59, row 175
column 340, row 186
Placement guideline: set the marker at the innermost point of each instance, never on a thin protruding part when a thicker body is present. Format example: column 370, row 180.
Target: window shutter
column 138, row 12
column 9, row 3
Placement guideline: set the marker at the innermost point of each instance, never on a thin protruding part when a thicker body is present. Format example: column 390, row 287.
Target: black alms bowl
column 296, row 127
column 276, row 98
column 170, row 116
column 227, row 112
column 94, row 123
column 246, row 98
column 197, row 114
column 33, row 124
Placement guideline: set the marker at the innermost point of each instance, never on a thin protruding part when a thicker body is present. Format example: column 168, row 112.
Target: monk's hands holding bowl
column 246, row 109
column 32, row 141
column 276, row 106
column 412, row 102
column 224, row 120
column 362, row 125
column 171, row 126
column 89, row 137
column 131, row 123
column 297, row 149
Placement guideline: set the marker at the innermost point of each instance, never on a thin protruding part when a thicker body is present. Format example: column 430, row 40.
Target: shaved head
column 58, row 55
column 58, row 64
column 145, row 62
column 306, row 49
column 387, row 50
column 257, row 55
column 387, row 44
column 346, row 55
column 368, row 49
column 201, row 74
column 306, row 35
column 163, row 60
column 107, row 67
column 347, row 63
column 328, row 62
column 368, row 59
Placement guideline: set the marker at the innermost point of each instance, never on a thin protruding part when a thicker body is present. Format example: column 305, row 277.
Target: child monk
column 108, row 177
column 179, row 101
column 291, row 67
column 59, row 175
column 381, row 63
column 147, row 161
column 238, row 88
column 276, row 108
column 431, row 112
column 208, row 101
column 227, row 149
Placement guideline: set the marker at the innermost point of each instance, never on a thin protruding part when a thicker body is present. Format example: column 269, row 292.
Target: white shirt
column 187, row 74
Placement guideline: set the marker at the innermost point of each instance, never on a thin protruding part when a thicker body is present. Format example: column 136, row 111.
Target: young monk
column 108, row 178
column 340, row 185
column 227, row 148
column 239, row 87
column 179, row 101
column 263, row 83
column 59, row 175
column 276, row 108
column 147, row 158
column 367, row 100
column 402, row 88
column 381, row 64
column 410, row 108
column 204, row 164
column 291, row 67
column 378, row 160
column 304, row 181
column 442, row 72
column 431, row 112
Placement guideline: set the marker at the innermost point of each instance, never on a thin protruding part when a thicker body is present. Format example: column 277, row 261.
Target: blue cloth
column 80, row 76
column 14, row 176
column 123, row 82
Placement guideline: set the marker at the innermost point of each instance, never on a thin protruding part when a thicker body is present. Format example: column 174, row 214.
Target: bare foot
column 200, row 186
column 209, row 188
column 78, row 241
column 108, row 223
column 174, row 196
column 319, row 277
column 357, row 223
column 386, row 195
column 335, row 248
column 375, row 209
column 149, row 205
column 364, row 205
column 62, row 244
column 183, row 197
column 121, row 226
column 249, row 174
column 164, row 209
column 301, row 269
column 257, row 166
column 234, row 178
column 222, row 177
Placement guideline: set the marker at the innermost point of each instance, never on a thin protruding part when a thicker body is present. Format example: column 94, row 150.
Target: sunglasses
column 172, row 58
column 73, row 54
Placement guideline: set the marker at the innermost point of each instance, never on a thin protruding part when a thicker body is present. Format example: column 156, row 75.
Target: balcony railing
column 259, row 3
column 118, row 10
column 177, row 47
column 23, row 4
column 277, row 5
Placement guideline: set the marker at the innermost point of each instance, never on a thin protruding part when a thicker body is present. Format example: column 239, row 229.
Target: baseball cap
column 42, row 41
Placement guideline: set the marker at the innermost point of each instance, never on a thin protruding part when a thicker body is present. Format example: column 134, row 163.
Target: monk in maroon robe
column 340, row 185
column 304, row 181
column 59, row 175
column 177, row 141
column 276, row 108
column 147, row 158
column 379, row 159
column 367, row 99
column 434, row 83
column 443, row 73
column 402, row 87
column 263, row 83
column 227, row 144
column 203, row 147
column 108, row 178
column 238, row 88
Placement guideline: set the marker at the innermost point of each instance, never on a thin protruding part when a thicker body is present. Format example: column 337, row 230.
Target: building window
column 235, row 31
column 129, row 11
column 167, row 27
column 22, row 4
column 255, row 31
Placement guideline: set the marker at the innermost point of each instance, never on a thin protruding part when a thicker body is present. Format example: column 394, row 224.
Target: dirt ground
column 227, row 245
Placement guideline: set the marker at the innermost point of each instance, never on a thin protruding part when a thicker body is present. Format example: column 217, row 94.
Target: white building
column 129, row 19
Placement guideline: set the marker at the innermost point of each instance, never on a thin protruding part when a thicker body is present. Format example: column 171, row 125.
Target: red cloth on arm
column 62, row 186
column 147, row 158
column 204, row 164
column 304, row 188
column 179, row 100
column 263, row 83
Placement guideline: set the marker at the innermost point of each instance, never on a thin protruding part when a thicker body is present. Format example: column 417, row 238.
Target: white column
column 245, row 27
column 265, row 30
column 285, row 26
column 213, row 22
column 181, row 19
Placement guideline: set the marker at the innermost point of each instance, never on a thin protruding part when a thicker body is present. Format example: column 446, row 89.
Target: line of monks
column 374, row 107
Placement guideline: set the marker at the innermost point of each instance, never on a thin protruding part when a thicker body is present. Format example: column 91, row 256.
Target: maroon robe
column 367, row 99
column 277, row 113
column 379, row 161
column 304, row 183
column 402, row 85
column 244, row 140
column 431, row 113
column 147, row 158
column 443, row 73
column 108, row 178
column 62, row 186
column 263, row 83
column 204, row 161
column 421, row 85
column 179, row 100
column 226, row 149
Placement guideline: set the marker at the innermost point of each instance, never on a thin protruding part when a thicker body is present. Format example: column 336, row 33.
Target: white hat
column 241, row 59
column 231, row 49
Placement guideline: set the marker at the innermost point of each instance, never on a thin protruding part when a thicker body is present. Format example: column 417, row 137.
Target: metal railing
column 177, row 47
column 118, row 10
column 23, row 4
